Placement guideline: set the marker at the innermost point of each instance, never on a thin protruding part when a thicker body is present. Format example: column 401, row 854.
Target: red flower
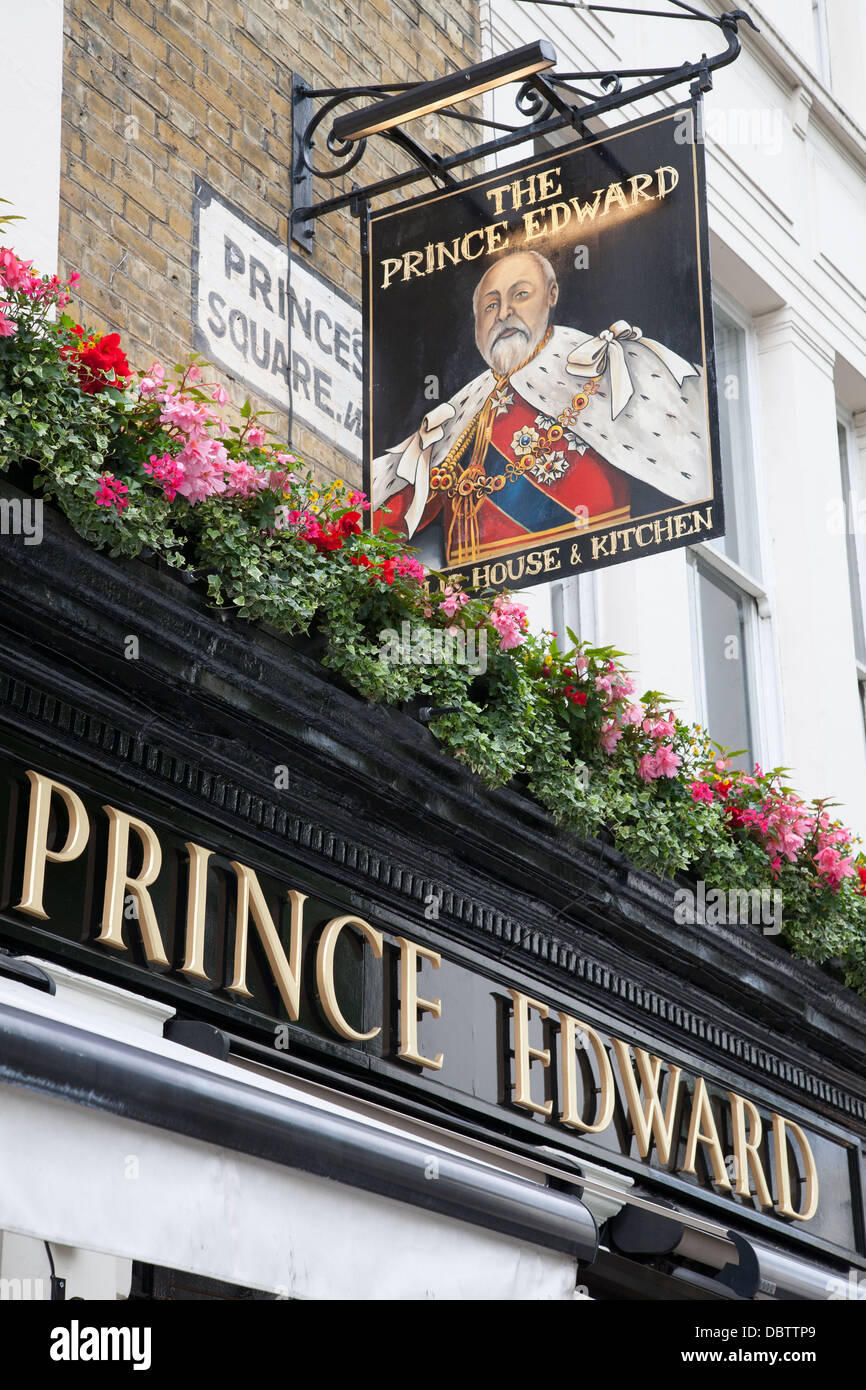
column 95, row 359
column 350, row 524
column 578, row 698
column 330, row 537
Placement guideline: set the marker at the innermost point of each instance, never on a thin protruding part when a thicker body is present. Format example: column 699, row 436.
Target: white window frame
column 821, row 30
column 845, row 418
column 759, row 636
column 574, row 604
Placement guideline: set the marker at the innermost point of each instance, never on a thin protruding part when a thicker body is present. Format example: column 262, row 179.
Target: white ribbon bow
column 593, row 357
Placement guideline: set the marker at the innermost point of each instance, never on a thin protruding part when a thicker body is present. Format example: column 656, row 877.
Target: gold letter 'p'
column 38, row 853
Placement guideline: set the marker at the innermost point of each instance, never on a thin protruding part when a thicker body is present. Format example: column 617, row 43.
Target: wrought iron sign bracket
column 548, row 102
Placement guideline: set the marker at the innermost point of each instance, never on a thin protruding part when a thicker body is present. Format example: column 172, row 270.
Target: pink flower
column 630, row 715
column 204, row 464
column 279, row 479
column 452, row 600
column 14, row 274
column 111, row 492
column 663, row 728
column 609, row 737
column 619, row 691
column 666, row 762
column 243, row 480
column 410, row 568
column 255, row 437
column 581, row 663
column 603, row 684
column 153, row 382
column 165, row 470
column 646, row 770
column 185, row 414
column 833, row 868
column 7, row 326
column 702, row 792
column 510, row 621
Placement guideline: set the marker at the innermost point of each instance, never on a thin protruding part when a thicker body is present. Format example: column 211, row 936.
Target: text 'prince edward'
column 552, row 437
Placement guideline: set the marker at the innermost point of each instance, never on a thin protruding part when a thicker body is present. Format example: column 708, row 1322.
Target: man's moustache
column 510, row 327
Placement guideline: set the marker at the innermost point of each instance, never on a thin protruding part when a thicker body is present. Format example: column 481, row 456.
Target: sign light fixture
column 515, row 66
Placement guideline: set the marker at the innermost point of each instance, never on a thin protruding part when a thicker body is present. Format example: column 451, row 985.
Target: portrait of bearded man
column 565, row 431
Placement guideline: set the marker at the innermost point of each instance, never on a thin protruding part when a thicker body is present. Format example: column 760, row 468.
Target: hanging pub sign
column 540, row 392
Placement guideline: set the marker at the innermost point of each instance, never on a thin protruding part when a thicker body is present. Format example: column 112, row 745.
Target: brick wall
column 158, row 93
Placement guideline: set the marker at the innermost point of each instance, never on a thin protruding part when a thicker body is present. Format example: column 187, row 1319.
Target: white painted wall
column 786, row 162
column 30, row 97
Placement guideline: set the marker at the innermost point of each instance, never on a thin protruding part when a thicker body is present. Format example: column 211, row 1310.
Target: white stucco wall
column 788, row 226
column 30, row 98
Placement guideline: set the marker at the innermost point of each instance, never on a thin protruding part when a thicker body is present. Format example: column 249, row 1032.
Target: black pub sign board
column 540, row 392
column 309, row 965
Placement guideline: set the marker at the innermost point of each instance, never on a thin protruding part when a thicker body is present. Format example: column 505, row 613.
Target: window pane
column 822, row 40
column 723, row 639
column 740, row 542
column 851, row 544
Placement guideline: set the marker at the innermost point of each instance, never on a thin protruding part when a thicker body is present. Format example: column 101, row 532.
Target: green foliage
column 560, row 721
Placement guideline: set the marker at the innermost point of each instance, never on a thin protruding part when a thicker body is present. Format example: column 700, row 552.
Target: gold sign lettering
column 570, row 1028
column 783, row 1173
column 119, row 883
column 651, row 1089
column 647, row 1120
column 702, row 1130
column 325, row 972
column 524, row 1055
column 747, row 1159
column 196, row 905
column 286, row 971
column 411, row 1004
column 37, row 852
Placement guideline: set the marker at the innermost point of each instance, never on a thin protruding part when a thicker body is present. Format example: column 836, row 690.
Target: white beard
column 506, row 355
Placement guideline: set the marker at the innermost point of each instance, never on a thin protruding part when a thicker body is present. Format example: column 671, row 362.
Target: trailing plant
column 151, row 462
